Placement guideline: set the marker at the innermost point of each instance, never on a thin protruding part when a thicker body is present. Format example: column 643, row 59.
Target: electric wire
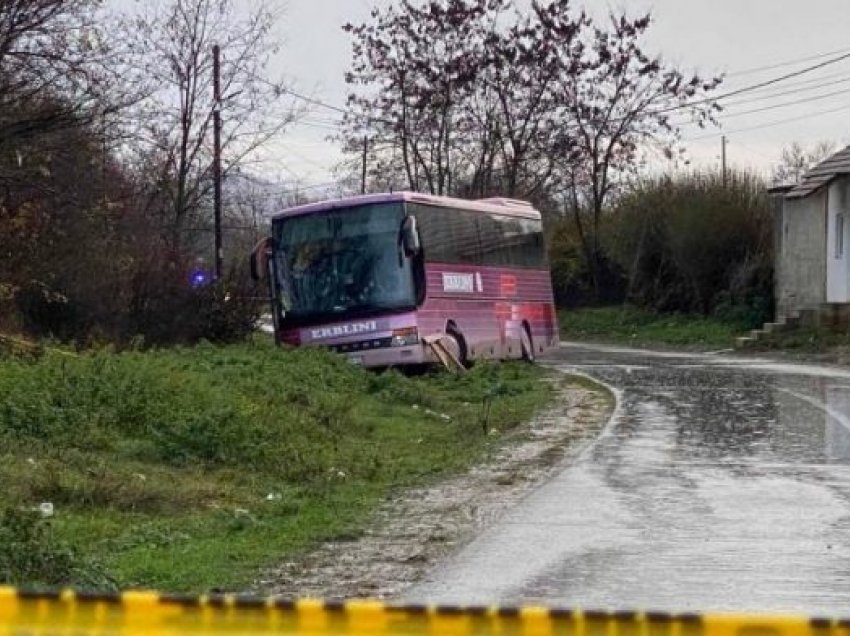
column 772, row 95
column 762, row 109
column 752, row 87
column 770, row 124
column 770, row 67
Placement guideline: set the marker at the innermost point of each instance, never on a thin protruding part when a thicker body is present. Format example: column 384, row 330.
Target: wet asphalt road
column 720, row 484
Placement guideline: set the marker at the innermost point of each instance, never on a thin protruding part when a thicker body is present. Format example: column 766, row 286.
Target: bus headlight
column 405, row 337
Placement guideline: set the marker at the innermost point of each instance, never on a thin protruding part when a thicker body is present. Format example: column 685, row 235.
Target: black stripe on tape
column 691, row 619
column 33, row 594
column 415, row 610
column 250, row 602
column 184, row 600
column 283, row 603
column 99, row 597
column 597, row 615
column 449, row 610
column 220, row 600
column 562, row 613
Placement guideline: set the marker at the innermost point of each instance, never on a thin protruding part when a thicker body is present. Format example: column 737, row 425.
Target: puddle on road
column 743, row 410
column 721, row 485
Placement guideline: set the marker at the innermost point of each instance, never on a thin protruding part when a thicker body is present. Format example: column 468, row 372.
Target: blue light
column 199, row 279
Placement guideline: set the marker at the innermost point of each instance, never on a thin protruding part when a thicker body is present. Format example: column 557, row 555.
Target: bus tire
column 526, row 344
column 458, row 344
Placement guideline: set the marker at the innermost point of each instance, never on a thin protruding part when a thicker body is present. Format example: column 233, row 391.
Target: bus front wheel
column 457, row 345
column 526, row 344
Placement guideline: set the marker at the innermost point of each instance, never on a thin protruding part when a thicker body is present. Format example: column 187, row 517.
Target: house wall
column 801, row 261
column 838, row 247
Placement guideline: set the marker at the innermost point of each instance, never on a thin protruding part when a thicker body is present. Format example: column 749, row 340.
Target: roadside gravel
column 415, row 529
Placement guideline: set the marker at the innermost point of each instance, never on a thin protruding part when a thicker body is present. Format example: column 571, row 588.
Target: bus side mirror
column 410, row 237
column 259, row 260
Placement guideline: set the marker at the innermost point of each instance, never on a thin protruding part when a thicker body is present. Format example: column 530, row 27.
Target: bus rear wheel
column 526, row 344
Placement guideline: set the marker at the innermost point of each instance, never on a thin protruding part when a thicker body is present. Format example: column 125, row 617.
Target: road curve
column 720, row 484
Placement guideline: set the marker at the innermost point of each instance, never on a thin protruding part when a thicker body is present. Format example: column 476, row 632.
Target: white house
column 812, row 244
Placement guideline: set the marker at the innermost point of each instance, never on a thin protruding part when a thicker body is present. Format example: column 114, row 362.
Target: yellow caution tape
column 69, row 613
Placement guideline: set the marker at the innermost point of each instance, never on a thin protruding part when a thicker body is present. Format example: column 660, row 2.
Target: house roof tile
column 822, row 174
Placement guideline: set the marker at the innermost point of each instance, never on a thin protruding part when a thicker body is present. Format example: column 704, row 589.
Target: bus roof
column 506, row 207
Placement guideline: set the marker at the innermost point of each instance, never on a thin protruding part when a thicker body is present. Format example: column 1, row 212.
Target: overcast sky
column 733, row 36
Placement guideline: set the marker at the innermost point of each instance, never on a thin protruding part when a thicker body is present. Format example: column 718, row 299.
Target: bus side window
column 448, row 235
column 533, row 245
column 511, row 241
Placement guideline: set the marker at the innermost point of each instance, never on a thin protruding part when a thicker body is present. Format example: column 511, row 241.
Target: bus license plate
column 358, row 360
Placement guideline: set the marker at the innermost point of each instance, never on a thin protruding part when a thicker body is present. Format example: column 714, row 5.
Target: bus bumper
column 390, row 356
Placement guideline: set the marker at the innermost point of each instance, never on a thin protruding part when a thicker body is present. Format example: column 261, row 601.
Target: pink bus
column 380, row 277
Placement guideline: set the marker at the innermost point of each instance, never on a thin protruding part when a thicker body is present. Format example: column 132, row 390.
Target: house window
column 783, row 237
column 839, row 235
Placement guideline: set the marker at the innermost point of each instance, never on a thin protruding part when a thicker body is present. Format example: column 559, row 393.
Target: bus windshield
column 342, row 262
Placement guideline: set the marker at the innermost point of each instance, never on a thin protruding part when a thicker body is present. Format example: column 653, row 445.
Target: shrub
column 697, row 244
column 31, row 555
column 167, row 309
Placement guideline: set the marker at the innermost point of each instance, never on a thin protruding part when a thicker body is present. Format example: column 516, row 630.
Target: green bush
column 31, row 555
column 165, row 309
column 697, row 244
column 692, row 243
column 572, row 282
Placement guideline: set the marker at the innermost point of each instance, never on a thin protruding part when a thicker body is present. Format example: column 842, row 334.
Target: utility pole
column 219, row 257
column 723, row 159
column 363, row 169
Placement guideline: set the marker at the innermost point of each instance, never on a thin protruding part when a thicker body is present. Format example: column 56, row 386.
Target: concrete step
column 742, row 342
column 779, row 326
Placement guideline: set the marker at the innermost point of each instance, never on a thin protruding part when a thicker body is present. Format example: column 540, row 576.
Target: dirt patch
column 415, row 529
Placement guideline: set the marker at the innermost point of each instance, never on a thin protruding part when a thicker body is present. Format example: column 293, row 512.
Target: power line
column 752, row 87
column 771, row 124
column 335, row 126
column 796, row 102
column 319, row 126
column 770, row 67
column 299, row 189
column 315, row 102
column 811, row 86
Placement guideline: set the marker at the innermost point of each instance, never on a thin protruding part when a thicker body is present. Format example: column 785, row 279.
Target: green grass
column 192, row 469
column 638, row 327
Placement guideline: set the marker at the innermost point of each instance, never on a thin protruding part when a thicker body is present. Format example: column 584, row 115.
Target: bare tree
column 172, row 41
column 413, row 72
column 795, row 160
column 57, row 84
column 616, row 99
column 53, row 70
column 535, row 104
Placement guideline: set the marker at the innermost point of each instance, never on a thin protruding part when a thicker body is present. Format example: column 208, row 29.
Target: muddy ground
column 413, row 530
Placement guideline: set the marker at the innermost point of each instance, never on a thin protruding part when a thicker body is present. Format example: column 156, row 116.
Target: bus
column 402, row 278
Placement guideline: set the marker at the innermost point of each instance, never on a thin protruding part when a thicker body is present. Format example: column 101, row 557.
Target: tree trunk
column 589, row 256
